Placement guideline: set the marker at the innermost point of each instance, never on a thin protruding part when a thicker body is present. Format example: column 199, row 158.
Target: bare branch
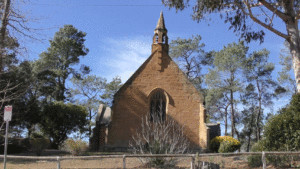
column 265, row 25
column 281, row 15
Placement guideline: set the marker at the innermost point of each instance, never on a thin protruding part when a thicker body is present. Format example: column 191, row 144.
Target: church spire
column 161, row 23
column 160, row 32
column 160, row 43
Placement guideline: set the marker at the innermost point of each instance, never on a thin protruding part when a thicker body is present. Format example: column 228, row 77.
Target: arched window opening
column 164, row 39
column 158, row 107
column 156, row 39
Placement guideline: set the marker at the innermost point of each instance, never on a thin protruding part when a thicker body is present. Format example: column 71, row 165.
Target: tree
column 192, row 58
column 282, row 130
column 226, row 75
column 188, row 52
column 89, row 87
column 241, row 14
column 59, row 120
column 110, row 89
column 261, row 87
column 249, row 125
column 14, row 83
column 284, row 78
column 64, row 52
column 217, row 104
column 14, row 26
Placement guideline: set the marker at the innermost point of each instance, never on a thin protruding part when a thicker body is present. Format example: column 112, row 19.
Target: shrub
column 228, row 147
column 255, row 160
column 164, row 137
column 216, row 142
column 75, row 147
column 39, row 144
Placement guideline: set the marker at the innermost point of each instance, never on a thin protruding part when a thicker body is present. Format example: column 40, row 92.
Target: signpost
column 7, row 118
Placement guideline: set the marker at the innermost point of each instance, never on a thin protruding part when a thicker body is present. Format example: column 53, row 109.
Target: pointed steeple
column 160, row 32
column 160, row 41
column 161, row 23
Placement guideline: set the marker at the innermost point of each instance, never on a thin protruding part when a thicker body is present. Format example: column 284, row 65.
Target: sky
column 119, row 32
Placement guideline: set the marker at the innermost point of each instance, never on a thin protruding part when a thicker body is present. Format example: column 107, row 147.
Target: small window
column 158, row 107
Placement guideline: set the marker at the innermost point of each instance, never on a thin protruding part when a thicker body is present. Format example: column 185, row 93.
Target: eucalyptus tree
column 258, row 72
column 90, row 88
column 65, row 50
column 226, row 75
column 242, row 15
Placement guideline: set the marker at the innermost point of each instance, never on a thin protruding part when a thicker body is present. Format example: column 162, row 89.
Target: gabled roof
column 129, row 81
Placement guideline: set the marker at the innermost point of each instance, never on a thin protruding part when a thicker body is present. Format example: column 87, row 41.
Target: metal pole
column 58, row 163
column 263, row 160
column 124, row 162
column 6, row 135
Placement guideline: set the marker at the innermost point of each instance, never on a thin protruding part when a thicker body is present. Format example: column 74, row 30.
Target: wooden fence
column 192, row 156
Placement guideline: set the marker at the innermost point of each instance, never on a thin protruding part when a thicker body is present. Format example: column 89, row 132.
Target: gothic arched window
column 158, row 106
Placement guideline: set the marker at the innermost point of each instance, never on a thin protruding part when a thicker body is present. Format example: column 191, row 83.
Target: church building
column 158, row 80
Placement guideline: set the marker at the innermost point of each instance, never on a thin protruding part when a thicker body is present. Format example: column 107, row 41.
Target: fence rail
column 124, row 156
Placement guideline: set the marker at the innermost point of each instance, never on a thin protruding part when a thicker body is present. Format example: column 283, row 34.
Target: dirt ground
column 228, row 162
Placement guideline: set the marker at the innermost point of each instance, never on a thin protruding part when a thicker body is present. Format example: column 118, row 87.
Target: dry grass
column 230, row 162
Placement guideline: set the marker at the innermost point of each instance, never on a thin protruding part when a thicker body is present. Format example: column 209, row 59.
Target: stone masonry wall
column 131, row 102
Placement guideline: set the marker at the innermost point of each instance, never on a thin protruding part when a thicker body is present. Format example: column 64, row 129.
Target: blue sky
column 119, row 32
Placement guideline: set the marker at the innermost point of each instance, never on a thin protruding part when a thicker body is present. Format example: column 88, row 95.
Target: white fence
column 192, row 157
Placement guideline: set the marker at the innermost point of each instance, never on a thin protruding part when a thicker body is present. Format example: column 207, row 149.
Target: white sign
column 7, row 113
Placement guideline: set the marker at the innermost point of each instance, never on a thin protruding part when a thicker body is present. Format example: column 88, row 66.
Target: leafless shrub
column 158, row 136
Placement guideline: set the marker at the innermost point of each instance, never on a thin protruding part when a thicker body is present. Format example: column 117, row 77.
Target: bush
column 75, row 147
column 215, row 143
column 255, row 160
column 282, row 130
column 164, row 137
column 38, row 143
column 228, row 147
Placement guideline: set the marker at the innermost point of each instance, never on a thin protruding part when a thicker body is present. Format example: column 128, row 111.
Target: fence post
column 58, row 163
column 263, row 160
column 193, row 162
column 124, row 162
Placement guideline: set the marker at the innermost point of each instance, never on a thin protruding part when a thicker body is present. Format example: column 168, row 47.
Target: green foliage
column 282, row 130
column 285, row 79
column 38, row 143
column 228, row 147
column 75, row 147
column 110, row 90
column 224, row 81
column 55, row 64
column 90, row 88
column 256, row 160
column 215, row 143
column 59, row 120
column 191, row 58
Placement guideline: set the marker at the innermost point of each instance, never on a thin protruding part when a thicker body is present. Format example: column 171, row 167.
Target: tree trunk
column 90, row 127
column 294, row 41
column 232, row 114
column 249, row 134
column 226, row 113
column 4, row 22
column 259, row 112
